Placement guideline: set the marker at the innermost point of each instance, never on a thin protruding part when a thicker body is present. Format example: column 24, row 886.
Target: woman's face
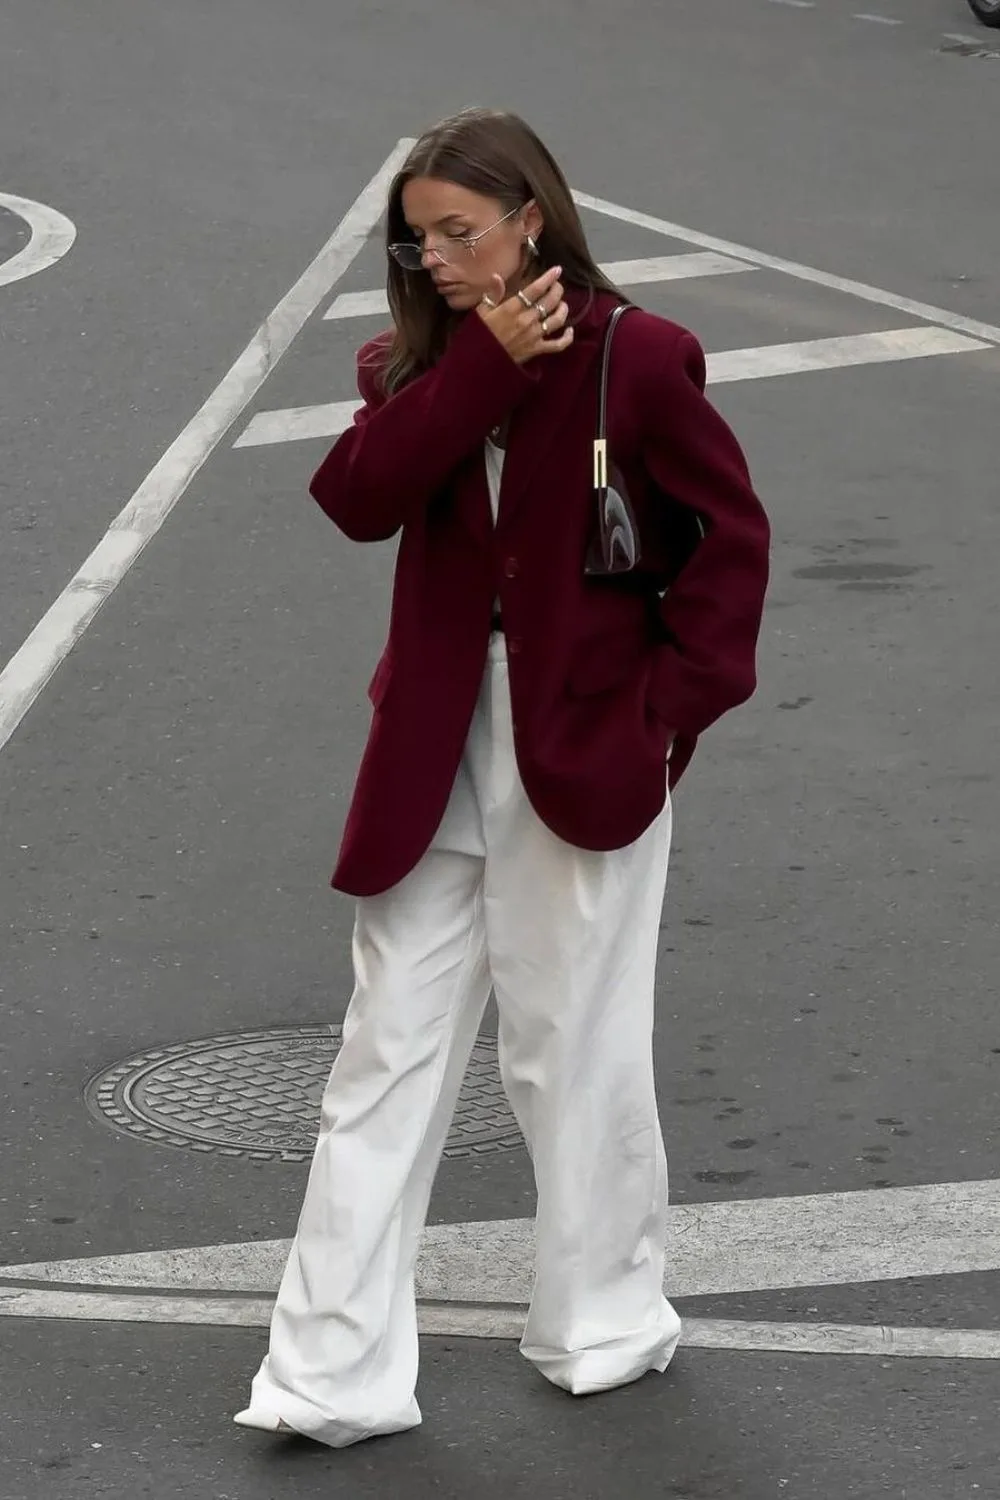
column 443, row 218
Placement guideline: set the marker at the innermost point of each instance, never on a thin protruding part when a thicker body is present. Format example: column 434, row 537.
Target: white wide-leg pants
column 567, row 939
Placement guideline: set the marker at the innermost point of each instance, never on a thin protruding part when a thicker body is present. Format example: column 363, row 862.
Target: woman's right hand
column 519, row 327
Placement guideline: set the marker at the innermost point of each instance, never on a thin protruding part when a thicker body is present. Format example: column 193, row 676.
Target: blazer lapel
column 543, row 420
column 472, row 497
column 538, row 423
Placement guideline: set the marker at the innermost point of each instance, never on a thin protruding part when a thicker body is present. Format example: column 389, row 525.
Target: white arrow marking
column 836, row 353
column 59, row 629
column 330, row 418
column 622, row 272
column 57, row 632
column 860, row 289
column 713, row 1249
column 294, row 424
column 52, row 234
column 474, row 1280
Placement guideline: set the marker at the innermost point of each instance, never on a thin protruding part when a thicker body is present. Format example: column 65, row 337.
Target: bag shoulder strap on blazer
column 601, row 435
column 617, row 546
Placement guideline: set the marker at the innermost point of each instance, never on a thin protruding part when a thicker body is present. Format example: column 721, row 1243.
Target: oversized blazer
column 604, row 679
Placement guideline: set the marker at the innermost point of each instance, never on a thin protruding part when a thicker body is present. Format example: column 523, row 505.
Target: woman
column 511, row 824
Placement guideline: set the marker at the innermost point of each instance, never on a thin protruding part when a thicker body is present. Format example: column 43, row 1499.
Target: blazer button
column 512, row 567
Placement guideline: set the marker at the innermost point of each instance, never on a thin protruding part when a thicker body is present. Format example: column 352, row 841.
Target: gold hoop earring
column 532, row 247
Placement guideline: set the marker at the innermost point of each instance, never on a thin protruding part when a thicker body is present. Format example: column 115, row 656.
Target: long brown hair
column 499, row 156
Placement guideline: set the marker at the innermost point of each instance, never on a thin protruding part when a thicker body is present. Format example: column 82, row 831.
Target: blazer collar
column 542, row 420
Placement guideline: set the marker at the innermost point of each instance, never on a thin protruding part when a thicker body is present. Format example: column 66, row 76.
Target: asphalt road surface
column 188, row 257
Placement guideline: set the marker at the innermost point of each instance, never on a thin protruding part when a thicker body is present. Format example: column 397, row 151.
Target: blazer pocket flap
column 380, row 680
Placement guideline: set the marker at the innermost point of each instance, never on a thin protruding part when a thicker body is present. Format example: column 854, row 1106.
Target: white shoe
column 263, row 1421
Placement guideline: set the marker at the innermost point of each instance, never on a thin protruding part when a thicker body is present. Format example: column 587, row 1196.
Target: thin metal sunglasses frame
column 407, row 248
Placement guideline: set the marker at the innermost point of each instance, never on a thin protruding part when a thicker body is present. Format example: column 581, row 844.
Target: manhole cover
column 257, row 1094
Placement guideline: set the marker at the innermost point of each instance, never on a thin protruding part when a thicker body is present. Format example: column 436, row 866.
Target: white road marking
column 796, row 4
column 863, row 15
column 374, row 304
column 841, row 1338
column 623, row 272
column 64, row 623
column 673, row 268
column 329, row 419
column 714, row 1249
column 474, row 1280
column 52, row 234
column 835, row 353
column 295, row 423
column 508, row 1323
column 923, row 310
column 62, row 626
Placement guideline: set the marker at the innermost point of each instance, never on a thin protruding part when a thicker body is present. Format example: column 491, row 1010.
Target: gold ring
column 543, row 311
column 545, row 325
column 525, row 299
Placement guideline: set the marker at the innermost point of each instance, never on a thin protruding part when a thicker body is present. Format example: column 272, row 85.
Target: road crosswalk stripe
column 623, row 273
column 294, row 423
column 835, row 353
column 329, row 419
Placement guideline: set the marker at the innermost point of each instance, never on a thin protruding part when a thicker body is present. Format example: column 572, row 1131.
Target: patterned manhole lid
column 257, row 1094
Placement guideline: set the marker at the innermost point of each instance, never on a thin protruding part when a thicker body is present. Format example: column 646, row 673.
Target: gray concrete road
column 172, row 802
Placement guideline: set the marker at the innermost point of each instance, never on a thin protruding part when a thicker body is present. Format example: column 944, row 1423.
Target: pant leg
column 572, row 938
column 342, row 1359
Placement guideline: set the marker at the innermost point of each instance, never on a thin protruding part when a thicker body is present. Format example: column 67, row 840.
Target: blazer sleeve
column 385, row 469
column 712, row 612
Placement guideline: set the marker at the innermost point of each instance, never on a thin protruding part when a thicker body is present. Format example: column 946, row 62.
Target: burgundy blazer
column 599, row 682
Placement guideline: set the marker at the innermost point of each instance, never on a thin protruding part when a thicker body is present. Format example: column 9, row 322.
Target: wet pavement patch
column 982, row 50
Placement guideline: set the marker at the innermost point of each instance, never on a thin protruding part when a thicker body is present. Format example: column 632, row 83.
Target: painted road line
column 52, row 639
column 836, row 353
column 877, row 20
column 331, row 418
column 295, row 423
column 796, row 4
column 843, row 1338
column 373, row 304
column 651, row 268
column 739, row 1335
column 672, row 268
column 508, row 1323
column 865, row 293
column 52, row 234
column 713, row 1249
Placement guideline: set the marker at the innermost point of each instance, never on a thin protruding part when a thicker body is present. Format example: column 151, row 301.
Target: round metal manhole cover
column 257, row 1094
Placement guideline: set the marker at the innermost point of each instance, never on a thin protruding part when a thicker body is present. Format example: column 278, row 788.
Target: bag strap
column 601, row 436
